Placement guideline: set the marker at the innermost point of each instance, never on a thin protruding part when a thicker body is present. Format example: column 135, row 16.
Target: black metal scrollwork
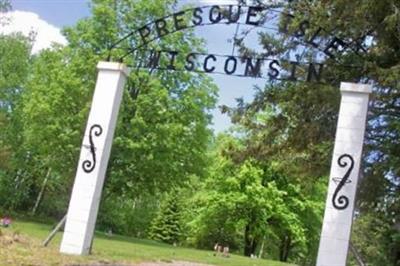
column 342, row 202
column 87, row 165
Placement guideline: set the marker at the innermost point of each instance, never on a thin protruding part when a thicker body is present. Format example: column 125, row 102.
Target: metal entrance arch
column 97, row 141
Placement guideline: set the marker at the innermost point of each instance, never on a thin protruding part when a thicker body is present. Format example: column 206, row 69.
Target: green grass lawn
column 23, row 248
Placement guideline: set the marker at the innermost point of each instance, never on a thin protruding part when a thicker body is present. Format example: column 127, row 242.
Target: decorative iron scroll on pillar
column 87, row 165
column 342, row 202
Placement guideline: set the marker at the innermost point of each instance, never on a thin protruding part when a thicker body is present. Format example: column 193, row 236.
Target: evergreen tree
column 167, row 225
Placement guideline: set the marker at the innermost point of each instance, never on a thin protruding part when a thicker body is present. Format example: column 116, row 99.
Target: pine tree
column 166, row 226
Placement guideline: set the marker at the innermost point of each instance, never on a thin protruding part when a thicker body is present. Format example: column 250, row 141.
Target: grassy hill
column 21, row 245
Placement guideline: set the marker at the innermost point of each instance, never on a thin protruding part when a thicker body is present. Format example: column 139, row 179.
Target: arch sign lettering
column 313, row 50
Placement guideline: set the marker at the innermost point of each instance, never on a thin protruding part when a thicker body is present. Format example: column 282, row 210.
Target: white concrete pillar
column 95, row 152
column 347, row 156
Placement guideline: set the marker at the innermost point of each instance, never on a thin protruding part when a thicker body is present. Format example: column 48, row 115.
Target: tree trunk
column 247, row 241
column 285, row 248
column 250, row 243
column 254, row 246
column 261, row 248
column 40, row 196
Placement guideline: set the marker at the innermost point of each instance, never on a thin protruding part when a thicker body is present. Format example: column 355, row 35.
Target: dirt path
column 174, row 263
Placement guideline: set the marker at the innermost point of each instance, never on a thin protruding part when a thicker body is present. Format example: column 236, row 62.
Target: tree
column 129, row 217
column 292, row 123
column 162, row 133
column 14, row 69
column 248, row 203
column 167, row 225
column 238, row 204
column 375, row 245
column 5, row 6
column 298, row 120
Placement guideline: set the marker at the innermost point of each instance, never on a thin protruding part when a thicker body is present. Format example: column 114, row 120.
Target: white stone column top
column 103, row 65
column 353, row 87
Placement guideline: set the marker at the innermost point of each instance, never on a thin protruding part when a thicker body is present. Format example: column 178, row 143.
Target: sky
column 47, row 17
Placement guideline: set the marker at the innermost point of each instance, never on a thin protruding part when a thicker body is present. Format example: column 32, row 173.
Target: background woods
column 258, row 188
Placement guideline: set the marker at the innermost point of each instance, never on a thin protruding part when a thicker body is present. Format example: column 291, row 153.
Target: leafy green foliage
column 162, row 133
column 14, row 64
column 131, row 217
column 245, row 204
